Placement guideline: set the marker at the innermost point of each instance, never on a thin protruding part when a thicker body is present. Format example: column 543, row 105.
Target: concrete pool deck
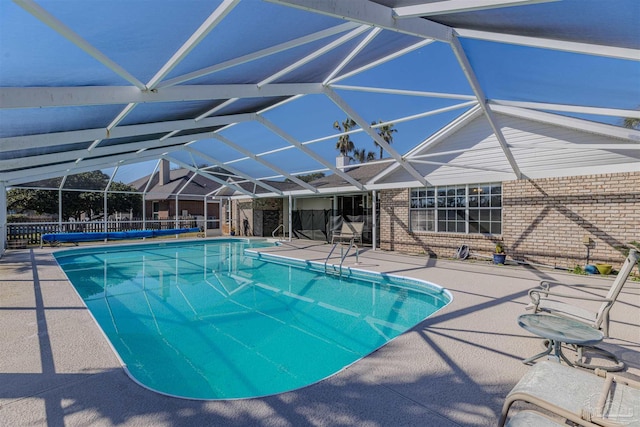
column 453, row 369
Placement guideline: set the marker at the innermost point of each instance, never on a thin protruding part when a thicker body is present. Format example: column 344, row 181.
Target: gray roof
column 180, row 182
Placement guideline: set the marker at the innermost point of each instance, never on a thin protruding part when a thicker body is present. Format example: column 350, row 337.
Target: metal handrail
column 343, row 256
column 326, row 260
column 273, row 234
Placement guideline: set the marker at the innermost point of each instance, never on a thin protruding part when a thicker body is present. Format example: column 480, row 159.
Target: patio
column 453, row 369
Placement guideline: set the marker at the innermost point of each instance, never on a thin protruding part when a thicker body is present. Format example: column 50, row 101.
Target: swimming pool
column 208, row 319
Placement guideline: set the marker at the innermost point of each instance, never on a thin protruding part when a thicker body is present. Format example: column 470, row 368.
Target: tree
column 74, row 203
column 344, row 144
column 631, row 123
column 386, row 133
column 123, row 202
column 308, row 178
column 362, row 155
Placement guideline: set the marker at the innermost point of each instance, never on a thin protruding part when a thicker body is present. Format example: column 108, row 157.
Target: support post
column 229, row 218
column 176, row 224
column 374, row 216
column 205, row 216
column 144, row 210
column 104, row 212
column 3, row 217
column 290, row 216
column 60, row 210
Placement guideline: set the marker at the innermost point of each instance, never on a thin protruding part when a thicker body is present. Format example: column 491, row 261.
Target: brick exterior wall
column 544, row 221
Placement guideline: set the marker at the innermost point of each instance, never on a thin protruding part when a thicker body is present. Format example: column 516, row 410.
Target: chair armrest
column 536, row 294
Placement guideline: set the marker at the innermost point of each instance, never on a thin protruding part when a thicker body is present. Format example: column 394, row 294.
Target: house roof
column 252, row 86
column 183, row 182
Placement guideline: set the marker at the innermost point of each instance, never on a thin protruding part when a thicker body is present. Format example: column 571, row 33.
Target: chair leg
column 539, row 355
column 618, row 365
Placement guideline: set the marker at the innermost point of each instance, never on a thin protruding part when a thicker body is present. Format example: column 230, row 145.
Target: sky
column 141, row 35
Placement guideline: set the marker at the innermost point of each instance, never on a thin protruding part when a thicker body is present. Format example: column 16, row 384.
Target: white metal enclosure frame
column 105, row 104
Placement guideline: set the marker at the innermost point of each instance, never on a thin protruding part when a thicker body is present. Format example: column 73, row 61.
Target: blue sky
column 505, row 72
column 33, row 54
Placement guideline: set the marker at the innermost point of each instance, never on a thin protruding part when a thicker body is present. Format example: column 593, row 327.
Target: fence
column 24, row 233
column 321, row 224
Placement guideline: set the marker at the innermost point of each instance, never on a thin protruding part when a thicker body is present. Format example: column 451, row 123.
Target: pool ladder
column 343, row 255
column 273, row 234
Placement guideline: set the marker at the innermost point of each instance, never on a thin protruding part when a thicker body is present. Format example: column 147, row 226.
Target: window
column 457, row 209
column 155, row 209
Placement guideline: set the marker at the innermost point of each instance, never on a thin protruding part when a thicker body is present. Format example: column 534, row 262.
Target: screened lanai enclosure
column 247, row 100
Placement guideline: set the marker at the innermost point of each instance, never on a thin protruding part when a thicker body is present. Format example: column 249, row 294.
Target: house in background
column 179, row 193
column 565, row 210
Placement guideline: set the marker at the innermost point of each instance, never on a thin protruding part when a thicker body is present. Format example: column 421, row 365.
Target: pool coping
column 453, row 369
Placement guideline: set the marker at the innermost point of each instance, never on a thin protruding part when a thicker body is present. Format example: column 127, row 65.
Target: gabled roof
column 255, row 85
column 181, row 181
column 543, row 145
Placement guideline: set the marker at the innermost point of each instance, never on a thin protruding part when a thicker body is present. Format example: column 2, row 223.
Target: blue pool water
column 209, row 320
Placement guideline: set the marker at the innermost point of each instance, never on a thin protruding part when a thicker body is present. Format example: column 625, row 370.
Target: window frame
column 459, row 209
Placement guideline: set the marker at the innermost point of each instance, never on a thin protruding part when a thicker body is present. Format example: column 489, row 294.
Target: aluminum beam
column 457, row 6
column 374, row 14
column 40, row 97
column 232, row 169
column 482, row 100
column 36, row 10
column 553, row 44
column 291, row 140
column 360, row 121
column 70, row 137
column 264, row 162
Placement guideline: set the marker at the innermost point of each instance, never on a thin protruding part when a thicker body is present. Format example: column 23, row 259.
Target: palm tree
column 386, row 133
column 363, row 156
column 631, row 123
column 344, row 144
column 360, row 154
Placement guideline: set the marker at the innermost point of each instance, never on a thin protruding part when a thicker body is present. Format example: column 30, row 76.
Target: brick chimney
column 164, row 172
